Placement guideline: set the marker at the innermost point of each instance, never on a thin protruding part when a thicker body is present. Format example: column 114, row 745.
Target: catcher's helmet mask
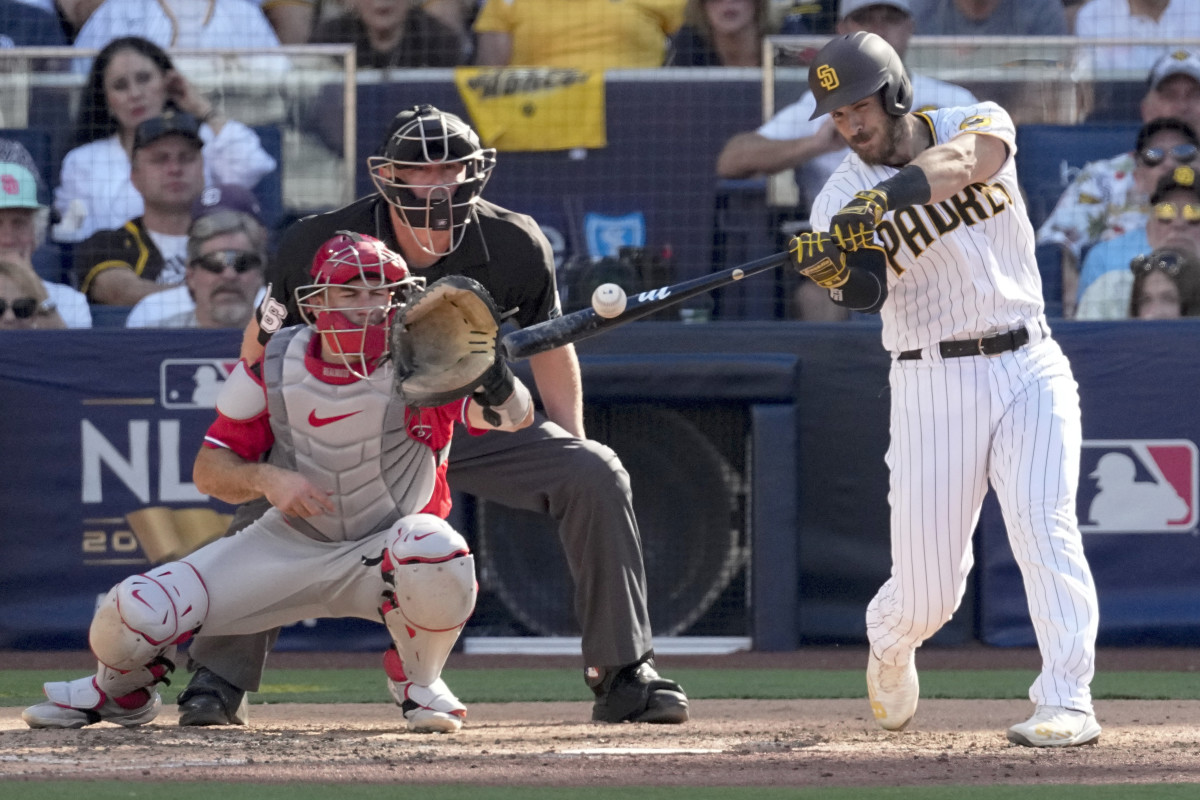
column 357, row 335
column 855, row 66
column 420, row 136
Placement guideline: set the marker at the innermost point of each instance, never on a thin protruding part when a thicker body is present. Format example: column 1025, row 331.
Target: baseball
column 608, row 300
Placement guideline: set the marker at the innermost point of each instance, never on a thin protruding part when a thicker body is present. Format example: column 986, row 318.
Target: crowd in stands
column 147, row 143
column 130, row 81
column 589, row 34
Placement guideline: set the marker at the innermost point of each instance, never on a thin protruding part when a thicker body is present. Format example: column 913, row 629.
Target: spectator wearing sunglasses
column 1174, row 223
column 226, row 257
column 24, row 303
column 23, row 221
column 1108, row 197
column 1166, row 285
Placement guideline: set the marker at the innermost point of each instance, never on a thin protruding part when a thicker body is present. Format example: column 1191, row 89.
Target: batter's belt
column 986, row 346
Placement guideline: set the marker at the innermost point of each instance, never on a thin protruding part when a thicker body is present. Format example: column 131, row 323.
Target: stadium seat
column 269, row 190
column 1116, row 101
column 1049, row 261
column 108, row 316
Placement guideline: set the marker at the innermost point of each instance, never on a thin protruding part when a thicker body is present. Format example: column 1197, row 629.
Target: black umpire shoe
column 209, row 699
column 636, row 693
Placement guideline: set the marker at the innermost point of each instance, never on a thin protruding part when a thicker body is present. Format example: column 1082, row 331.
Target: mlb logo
column 192, row 382
column 1138, row 486
column 607, row 235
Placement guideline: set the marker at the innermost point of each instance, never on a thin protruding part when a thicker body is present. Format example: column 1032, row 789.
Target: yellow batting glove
column 814, row 255
column 854, row 226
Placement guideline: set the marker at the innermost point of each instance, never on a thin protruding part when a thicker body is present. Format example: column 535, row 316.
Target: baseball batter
column 356, row 481
column 924, row 223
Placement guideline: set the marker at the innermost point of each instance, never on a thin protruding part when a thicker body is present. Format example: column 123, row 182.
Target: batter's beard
column 886, row 157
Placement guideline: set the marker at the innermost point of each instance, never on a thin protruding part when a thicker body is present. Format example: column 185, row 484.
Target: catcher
column 356, row 479
column 430, row 172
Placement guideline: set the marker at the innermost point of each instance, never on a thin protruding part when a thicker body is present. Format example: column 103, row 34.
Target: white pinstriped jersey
column 958, row 269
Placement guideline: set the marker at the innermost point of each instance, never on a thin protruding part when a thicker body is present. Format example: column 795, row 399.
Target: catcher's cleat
column 636, row 693
column 209, row 699
column 428, row 709
column 131, row 710
column 894, row 691
column 1055, row 726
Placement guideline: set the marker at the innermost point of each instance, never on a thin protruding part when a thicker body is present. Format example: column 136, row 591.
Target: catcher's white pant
column 269, row 575
column 957, row 423
column 418, row 572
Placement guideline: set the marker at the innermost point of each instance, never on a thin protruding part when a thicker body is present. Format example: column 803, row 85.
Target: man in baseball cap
column 149, row 253
column 1173, row 88
column 19, row 206
column 23, row 229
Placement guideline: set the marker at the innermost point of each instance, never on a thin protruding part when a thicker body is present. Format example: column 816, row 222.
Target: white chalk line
column 639, row 751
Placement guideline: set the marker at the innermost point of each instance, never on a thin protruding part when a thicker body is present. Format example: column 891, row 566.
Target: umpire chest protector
column 350, row 439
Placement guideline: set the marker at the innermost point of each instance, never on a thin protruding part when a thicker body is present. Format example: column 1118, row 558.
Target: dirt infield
column 727, row 743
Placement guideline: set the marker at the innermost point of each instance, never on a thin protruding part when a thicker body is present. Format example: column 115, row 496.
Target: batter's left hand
column 854, row 226
column 814, row 255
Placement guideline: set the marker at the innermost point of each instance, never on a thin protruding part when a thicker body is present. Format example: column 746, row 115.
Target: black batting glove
column 854, row 226
column 814, row 255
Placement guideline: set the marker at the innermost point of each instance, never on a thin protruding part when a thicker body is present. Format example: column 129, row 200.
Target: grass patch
column 23, row 687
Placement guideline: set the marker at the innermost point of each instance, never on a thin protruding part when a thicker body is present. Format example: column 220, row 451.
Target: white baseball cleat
column 428, row 709
column 50, row 714
column 893, row 692
column 1055, row 726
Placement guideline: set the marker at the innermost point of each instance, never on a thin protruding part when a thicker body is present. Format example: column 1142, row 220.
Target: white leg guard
column 427, row 709
column 432, row 573
column 144, row 615
column 134, row 636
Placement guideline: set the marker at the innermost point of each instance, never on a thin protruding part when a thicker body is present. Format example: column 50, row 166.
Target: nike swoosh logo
column 423, row 536
column 317, row 422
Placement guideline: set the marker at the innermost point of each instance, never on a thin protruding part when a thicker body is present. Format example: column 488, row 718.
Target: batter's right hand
column 854, row 226
column 294, row 495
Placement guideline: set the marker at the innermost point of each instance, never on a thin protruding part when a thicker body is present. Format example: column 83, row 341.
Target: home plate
column 640, row 751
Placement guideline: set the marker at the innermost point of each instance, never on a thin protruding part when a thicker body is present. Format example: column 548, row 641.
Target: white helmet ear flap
column 432, row 574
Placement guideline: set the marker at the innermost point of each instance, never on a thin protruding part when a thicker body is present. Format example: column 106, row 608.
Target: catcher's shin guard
column 134, row 636
column 432, row 575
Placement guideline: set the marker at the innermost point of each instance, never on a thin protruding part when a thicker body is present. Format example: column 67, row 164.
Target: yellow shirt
column 586, row 34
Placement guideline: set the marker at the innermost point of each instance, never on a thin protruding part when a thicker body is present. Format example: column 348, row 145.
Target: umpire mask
column 423, row 136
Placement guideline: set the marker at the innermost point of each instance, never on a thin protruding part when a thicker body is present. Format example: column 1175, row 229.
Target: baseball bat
column 581, row 324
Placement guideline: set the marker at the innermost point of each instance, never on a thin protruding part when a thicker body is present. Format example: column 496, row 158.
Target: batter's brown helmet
column 855, row 66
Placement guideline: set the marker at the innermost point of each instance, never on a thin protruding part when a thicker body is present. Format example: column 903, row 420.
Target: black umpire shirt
column 504, row 251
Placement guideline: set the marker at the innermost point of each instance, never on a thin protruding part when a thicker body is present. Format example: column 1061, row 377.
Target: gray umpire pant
column 580, row 483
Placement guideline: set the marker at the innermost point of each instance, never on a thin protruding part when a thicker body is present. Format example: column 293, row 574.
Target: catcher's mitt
column 444, row 341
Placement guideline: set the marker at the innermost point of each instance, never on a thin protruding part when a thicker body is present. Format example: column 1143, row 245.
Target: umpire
column 430, row 172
